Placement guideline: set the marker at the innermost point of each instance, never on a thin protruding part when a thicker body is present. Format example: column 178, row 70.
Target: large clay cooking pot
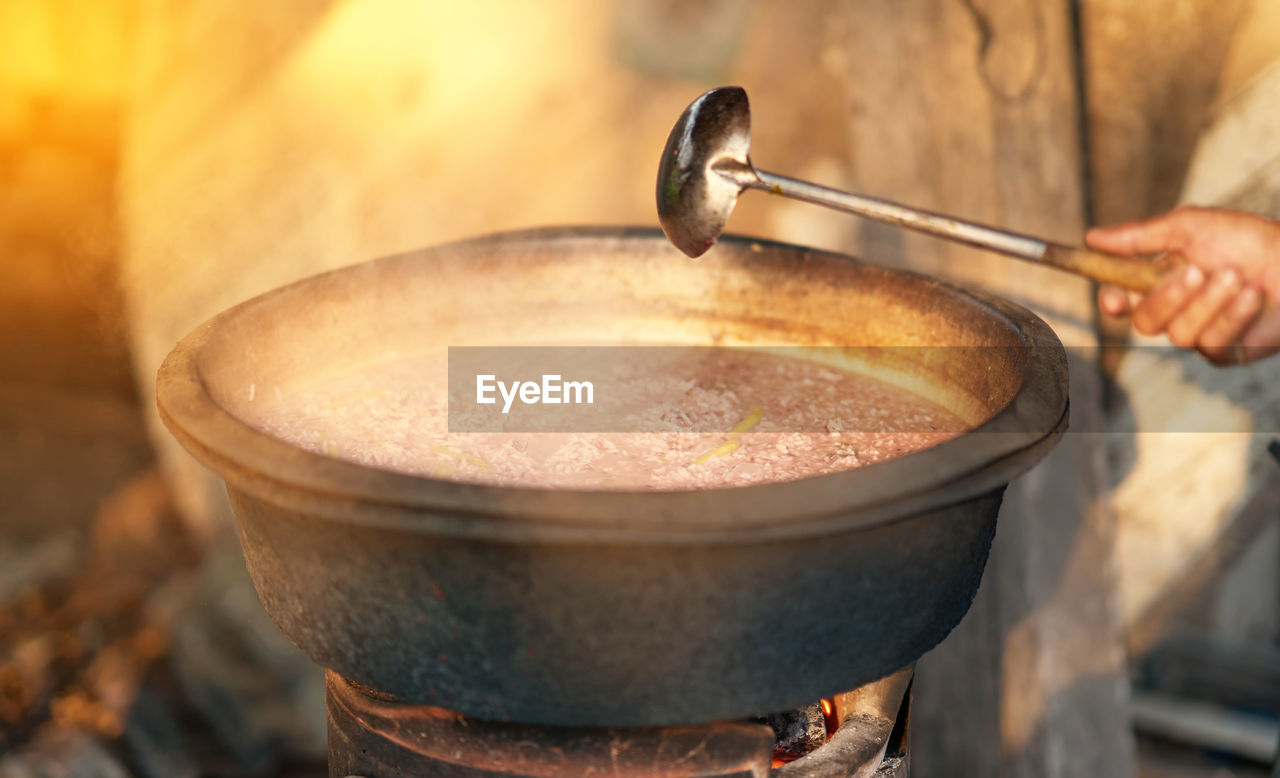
column 619, row 608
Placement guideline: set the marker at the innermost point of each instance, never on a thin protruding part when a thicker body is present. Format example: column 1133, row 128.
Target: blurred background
column 161, row 160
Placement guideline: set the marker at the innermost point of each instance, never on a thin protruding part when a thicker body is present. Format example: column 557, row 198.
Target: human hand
column 1223, row 295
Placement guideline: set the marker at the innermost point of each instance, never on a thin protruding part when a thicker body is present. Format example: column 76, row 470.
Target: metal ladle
column 706, row 165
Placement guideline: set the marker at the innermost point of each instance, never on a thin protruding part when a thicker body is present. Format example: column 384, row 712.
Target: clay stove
column 373, row 736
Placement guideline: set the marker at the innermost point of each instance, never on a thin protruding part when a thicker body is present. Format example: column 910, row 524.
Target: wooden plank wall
column 1152, row 72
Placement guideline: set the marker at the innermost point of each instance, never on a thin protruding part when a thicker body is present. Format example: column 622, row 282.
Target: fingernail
column 1193, row 276
column 1108, row 302
column 1248, row 301
column 1226, row 279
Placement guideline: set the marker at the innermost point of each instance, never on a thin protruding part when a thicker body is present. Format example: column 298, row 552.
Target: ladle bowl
column 618, row 608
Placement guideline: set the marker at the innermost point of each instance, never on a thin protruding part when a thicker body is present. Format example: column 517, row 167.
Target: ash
column 127, row 653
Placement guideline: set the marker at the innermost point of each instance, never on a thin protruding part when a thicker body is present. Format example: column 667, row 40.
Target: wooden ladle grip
column 1140, row 274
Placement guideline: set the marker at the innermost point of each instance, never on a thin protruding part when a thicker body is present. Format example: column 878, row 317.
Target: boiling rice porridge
column 776, row 418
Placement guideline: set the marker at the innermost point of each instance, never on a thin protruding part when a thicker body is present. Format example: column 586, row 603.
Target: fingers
column 1161, row 304
column 1221, row 339
column 1149, row 236
column 1113, row 300
column 1216, row 314
column 1262, row 338
column 1187, row 326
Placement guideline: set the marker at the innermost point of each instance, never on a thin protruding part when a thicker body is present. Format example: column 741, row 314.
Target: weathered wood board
column 972, row 109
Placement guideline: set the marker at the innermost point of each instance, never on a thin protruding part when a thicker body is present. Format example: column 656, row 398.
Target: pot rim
column 981, row 460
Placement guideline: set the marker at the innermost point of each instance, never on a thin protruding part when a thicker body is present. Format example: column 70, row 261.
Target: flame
column 830, row 716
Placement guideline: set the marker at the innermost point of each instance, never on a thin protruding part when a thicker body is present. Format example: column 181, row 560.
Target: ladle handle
column 1141, row 274
column 1137, row 273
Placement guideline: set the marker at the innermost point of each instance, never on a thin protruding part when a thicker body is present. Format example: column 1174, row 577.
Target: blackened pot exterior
column 615, row 635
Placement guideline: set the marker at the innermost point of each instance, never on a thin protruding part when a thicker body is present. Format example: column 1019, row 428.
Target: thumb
column 1149, row 236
